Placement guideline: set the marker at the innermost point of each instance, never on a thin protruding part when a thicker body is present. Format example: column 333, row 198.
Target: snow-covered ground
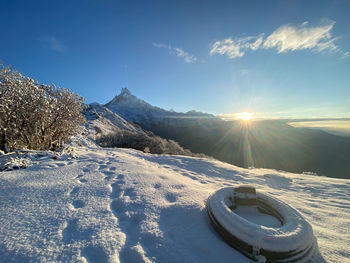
column 122, row 205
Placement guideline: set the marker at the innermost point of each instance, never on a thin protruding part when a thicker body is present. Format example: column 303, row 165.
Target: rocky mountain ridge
column 139, row 111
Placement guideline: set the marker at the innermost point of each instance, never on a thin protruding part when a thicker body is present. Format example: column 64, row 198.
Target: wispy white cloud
column 290, row 38
column 52, row 43
column 346, row 54
column 285, row 38
column 188, row 58
column 235, row 48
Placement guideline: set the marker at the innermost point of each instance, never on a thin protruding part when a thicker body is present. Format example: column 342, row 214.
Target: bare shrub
column 35, row 116
column 147, row 142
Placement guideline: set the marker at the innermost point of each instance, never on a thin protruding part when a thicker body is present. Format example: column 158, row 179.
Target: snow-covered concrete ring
column 293, row 241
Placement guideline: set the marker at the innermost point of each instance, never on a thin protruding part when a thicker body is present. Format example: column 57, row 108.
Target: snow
column 137, row 110
column 107, row 121
column 294, row 235
column 252, row 214
column 123, row 205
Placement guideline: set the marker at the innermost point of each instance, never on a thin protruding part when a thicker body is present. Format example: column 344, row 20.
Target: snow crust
column 122, row 205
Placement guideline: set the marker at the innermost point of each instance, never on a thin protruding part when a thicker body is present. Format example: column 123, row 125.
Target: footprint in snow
column 107, row 173
column 94, row 254
column 74, row 190
column 192, row 177
column 109, row 176
column 116, row 189
column 178, row 186
column 102, row 166
column 72, row 232
column 130, row 192
column 156, row 186
column 78, row 204
column 171, row 197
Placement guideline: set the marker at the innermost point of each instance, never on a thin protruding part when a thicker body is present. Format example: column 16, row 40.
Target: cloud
column 52, row 43
column 235, row 48
column 346, row 54
column 285, row 38
column 178, row 52
column 290, row 38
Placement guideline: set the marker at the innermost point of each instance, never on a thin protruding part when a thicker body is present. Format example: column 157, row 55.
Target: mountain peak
column 125, row 92
column 125, row 95
column 126, row 100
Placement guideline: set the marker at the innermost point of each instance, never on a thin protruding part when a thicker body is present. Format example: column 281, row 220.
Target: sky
column 276, row 59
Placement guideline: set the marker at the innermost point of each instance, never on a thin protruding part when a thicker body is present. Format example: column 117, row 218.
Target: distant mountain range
column 264, row 143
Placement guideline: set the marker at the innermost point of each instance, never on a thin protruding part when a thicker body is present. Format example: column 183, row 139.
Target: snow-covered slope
column 134, row 109
column 121, row 205
column 108, row 129
column 105, row 121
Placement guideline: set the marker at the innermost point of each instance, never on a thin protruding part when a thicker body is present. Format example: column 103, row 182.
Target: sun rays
column 245, row 116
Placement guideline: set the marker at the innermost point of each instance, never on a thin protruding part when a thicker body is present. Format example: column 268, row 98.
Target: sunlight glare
column 245, row 116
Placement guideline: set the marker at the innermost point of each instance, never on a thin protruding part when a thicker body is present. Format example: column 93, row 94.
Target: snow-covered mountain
column 101, row 118
column 137, row 110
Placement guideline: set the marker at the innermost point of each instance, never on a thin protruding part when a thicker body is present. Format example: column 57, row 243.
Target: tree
column 36, row 116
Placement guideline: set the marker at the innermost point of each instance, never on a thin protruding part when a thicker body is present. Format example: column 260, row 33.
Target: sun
column 245, row 116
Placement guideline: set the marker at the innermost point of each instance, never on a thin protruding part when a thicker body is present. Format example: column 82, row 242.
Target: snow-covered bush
column 35, row 116
column 147, row 142
column 14, row 163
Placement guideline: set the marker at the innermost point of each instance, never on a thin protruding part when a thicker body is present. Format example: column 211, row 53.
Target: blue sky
column 273, row 58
